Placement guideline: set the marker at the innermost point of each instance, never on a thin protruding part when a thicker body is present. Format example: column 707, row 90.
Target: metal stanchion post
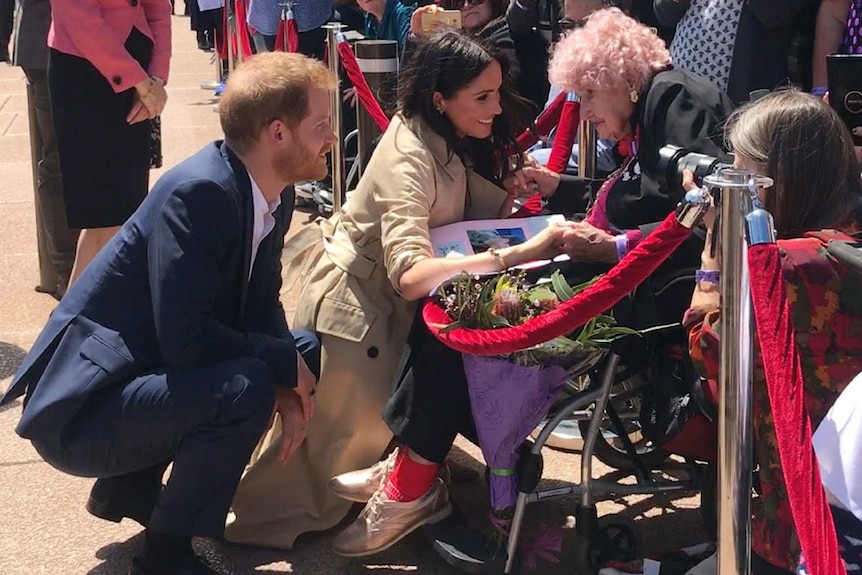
column 378, row 60
column 736, row 201
column 586, row 150
column 333, row 32
column 230, row 35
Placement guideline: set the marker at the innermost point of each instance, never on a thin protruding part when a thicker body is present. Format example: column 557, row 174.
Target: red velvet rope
column 565, row 137
column 811, row 513
column 287, row 35
column 238, row 41
column 547, row 121
column 363, row 91
column 634, row 268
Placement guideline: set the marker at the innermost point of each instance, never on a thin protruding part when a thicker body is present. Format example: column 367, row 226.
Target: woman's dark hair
column 498, row 7
column 802, row 144
column 447, row 63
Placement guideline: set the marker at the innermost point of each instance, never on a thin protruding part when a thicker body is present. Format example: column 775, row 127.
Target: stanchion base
column 468, row 549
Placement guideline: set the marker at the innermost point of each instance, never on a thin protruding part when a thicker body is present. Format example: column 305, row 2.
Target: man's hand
column 294, row 426
column 586, row 243
column 306, row 384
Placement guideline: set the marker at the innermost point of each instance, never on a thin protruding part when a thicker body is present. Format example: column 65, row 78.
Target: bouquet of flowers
column 510, row 394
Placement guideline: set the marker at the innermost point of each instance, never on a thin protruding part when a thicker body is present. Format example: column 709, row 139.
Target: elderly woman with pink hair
column 633, row 95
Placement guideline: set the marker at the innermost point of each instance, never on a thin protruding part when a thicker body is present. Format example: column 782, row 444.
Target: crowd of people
column 170, row 345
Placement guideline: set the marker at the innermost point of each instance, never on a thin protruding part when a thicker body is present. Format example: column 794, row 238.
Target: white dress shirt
column 264, row 221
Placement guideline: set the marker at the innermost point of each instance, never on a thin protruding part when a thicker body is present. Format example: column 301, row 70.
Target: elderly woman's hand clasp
column 149, row 100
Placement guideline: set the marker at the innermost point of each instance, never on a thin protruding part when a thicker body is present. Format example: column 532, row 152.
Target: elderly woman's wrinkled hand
column 586, row 243
column 151, row 93
column 542, row 180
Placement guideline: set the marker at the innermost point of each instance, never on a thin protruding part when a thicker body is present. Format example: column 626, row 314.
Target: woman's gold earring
column 634, row 96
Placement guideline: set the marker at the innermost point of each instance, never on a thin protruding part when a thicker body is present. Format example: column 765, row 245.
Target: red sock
column 410, row 479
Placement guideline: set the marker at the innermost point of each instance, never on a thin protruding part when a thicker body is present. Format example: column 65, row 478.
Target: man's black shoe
column 113, row 500
column 195, row 566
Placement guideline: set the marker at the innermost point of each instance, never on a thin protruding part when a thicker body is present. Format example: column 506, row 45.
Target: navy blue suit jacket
column 169, row 292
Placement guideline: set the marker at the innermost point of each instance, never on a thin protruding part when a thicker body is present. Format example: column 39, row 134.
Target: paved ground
column 43, row 526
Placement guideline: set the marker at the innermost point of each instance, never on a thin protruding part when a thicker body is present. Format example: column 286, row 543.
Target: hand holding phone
column 430, row 19
column 844, row 77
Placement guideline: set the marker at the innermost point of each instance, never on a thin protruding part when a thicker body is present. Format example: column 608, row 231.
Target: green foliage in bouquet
column 507, row 300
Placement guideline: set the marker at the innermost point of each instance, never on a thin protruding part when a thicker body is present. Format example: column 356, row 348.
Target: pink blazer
column 96, row 30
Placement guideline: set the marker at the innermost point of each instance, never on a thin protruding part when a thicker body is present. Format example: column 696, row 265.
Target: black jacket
column 30, row 44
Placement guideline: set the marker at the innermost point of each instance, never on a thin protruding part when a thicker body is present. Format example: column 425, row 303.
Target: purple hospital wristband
column 707, row 276
column 622, row 243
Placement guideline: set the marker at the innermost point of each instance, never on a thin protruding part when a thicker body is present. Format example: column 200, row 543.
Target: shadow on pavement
column 117, row 557
column 11, row 357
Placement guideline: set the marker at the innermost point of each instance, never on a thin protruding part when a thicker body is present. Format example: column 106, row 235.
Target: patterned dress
column 705, row 39
column 826, row 302
column 852, row 43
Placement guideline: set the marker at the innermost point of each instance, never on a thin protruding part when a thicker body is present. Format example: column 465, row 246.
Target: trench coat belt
column 337, row 245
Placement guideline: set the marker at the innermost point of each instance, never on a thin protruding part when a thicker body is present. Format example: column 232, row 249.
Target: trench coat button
column 117, row 80
column 133, row 2
column 373, row 352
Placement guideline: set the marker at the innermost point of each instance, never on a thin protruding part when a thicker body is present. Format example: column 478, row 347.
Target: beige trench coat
column 349, row 268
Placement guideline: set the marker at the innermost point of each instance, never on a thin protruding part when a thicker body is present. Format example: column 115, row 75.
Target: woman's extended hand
column 546, row 244
column 519, row 185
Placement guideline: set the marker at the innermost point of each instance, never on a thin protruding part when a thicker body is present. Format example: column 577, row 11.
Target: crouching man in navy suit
column 173, row 347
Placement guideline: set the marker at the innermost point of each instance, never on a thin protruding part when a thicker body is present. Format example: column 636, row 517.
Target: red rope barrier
column 547, row 121
column 242, row 29
column 633, row 269
column 363, row 91
column 287, row 35
column 811, row 513
column 567, row 131
column 237, row 41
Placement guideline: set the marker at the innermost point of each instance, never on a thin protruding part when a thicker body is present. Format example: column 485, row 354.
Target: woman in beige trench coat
column 363, row 270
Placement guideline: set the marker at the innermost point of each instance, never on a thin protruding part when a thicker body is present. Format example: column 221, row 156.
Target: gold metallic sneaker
column 360, row 485
column 384, row 522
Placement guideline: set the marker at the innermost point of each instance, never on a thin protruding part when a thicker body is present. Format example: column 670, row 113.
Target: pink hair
column 611, row 51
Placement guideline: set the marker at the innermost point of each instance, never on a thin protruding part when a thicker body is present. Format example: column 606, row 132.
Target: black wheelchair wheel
column 617, row 538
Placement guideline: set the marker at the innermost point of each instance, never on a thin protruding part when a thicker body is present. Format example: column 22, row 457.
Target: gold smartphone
column 449, row 18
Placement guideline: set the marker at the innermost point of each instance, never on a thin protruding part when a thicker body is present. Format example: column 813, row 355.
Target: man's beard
column 300, row 165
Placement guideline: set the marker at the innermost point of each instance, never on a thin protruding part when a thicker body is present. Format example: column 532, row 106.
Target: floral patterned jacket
column 826, row 300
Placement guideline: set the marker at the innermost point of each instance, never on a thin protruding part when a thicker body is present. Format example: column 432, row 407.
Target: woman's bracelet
column 499, row 258
column 707, row 276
